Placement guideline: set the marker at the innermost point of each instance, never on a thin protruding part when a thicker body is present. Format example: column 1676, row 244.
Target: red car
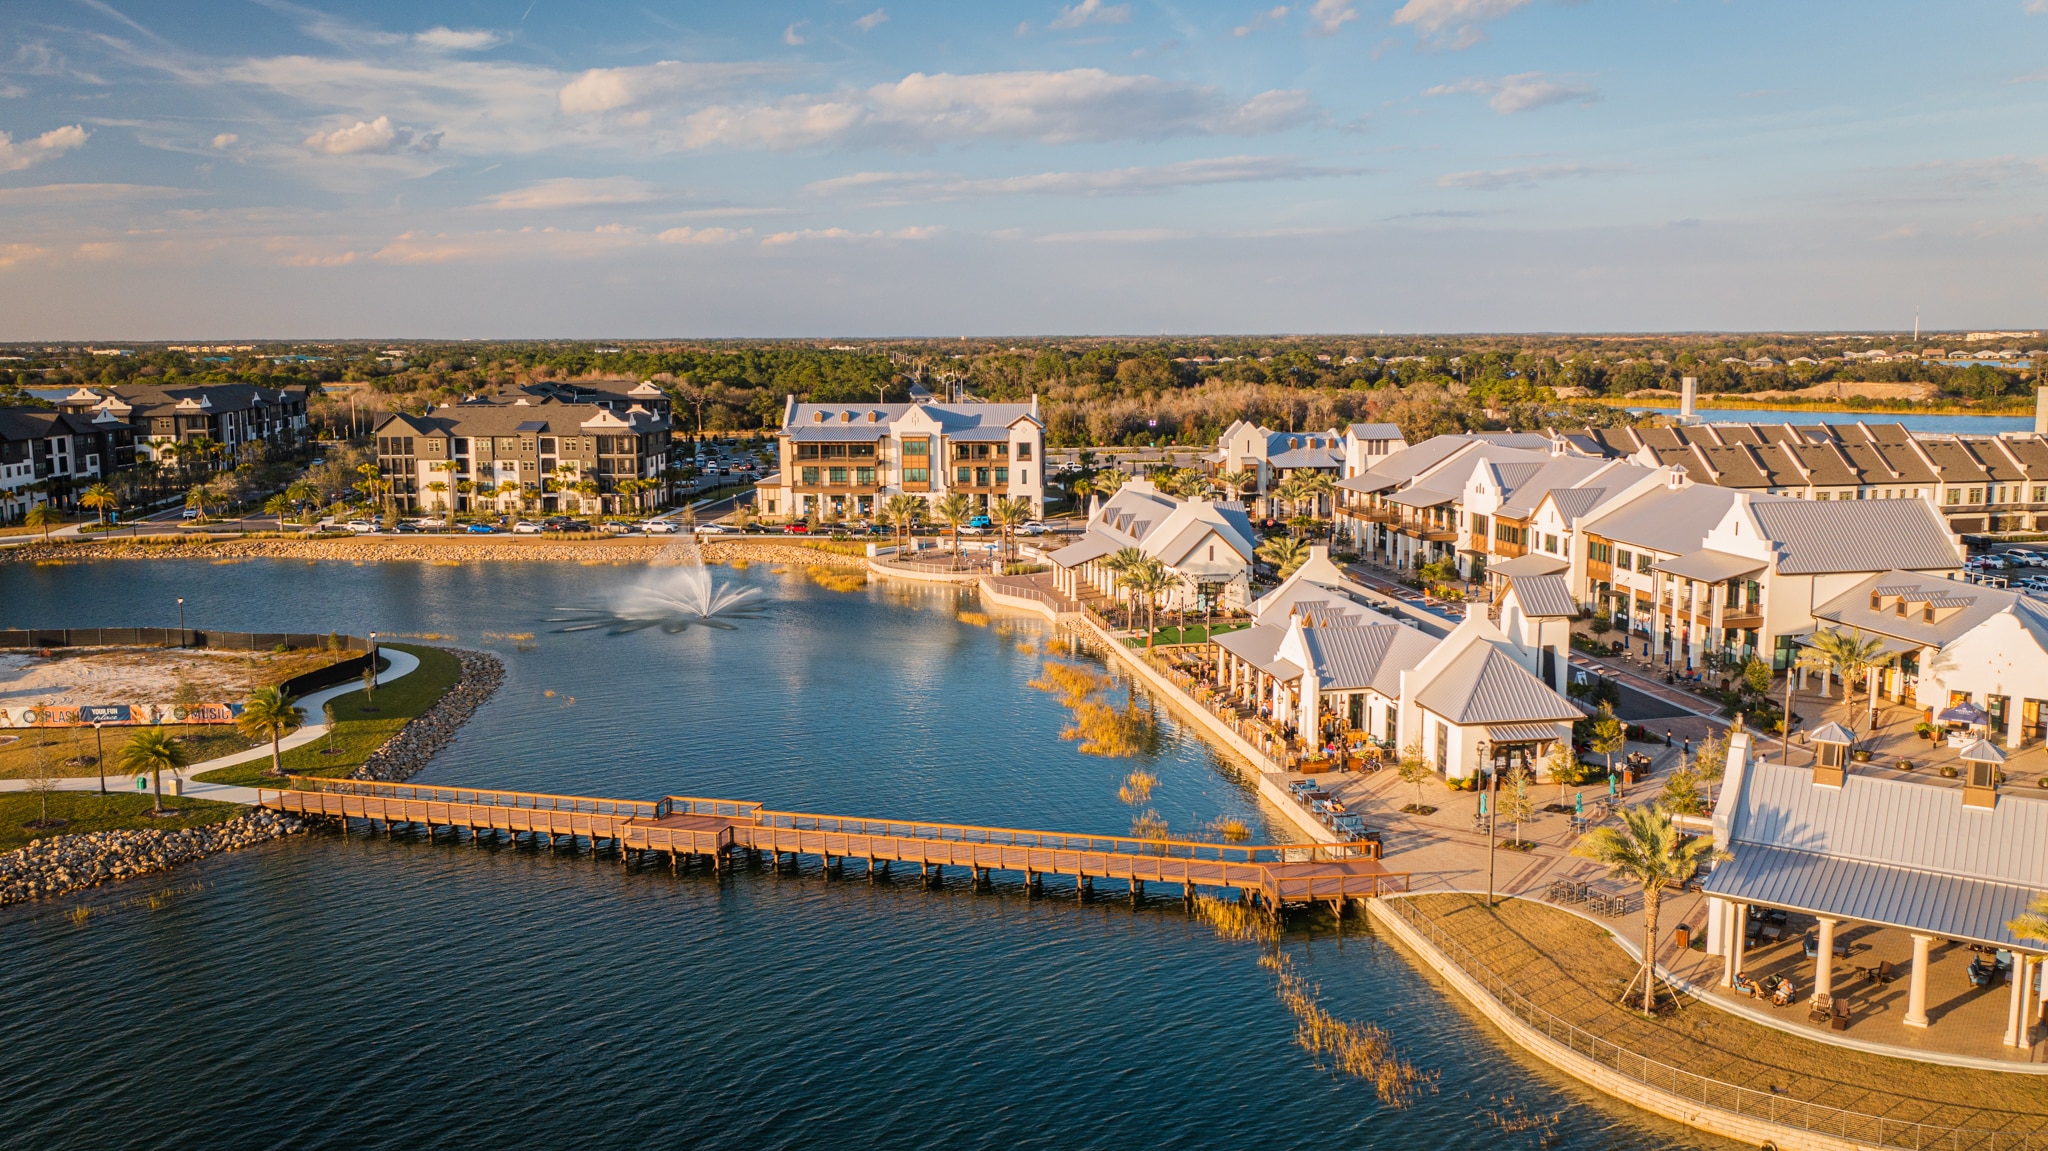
column 796, row 529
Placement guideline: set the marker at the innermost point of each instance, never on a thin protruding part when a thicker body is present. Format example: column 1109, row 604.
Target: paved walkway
column 399, row 663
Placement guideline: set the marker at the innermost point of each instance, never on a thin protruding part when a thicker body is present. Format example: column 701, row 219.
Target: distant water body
column 1913, row 421
column 363, row 993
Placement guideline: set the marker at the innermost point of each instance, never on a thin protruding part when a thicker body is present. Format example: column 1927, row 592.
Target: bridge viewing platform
column 693, row 832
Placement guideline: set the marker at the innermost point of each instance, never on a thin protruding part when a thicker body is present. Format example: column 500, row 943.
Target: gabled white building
column 1207, row 546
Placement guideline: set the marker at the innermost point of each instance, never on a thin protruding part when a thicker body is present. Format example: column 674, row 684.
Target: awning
column 1709, row 566
column 1088, row 547
column 1522, row 732
column 1950, row 906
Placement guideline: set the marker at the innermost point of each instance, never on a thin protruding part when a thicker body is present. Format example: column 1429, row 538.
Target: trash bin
column 1682, row 936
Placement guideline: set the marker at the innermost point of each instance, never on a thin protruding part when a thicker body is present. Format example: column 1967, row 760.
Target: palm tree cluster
column 1143, row 578
column 1302, row 493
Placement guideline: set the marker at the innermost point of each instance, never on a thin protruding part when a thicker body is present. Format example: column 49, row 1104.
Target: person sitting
column 1749, row 987
column 1782, row 997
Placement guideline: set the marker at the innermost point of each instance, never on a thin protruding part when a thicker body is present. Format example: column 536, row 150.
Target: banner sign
column 117, row 714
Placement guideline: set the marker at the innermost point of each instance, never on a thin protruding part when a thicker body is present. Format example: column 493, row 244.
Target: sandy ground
column 120, row 675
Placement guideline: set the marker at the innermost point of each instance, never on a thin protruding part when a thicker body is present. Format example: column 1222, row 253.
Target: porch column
column 2017, row 1025
column 1738, row 938
column 1824, row 967
column 1916, row 997
column 1719, row 613
column 1658, row 618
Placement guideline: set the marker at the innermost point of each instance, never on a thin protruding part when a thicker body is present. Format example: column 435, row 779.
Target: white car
column 362, row 527
column 1032, row 528
column 658, row 527
column 431, row 525
column 526, row 528
column 712, row 529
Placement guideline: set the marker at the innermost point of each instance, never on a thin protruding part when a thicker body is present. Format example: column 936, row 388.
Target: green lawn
column 1196, row 633
column 90, row 811
column 47, row 748
column 361, row 726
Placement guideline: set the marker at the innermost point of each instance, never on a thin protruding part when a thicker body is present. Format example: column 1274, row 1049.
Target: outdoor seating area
column 1331, row 812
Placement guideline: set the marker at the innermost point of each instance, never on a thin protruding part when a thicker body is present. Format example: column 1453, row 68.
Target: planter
column 1948, row 771
column 1907, row 765
column 1861, row 756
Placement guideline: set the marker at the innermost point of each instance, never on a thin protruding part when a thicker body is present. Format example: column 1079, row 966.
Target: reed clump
column 1360, row 1050
column 1113, row 732
column 837, row 579
column 1231, row 830
column 1137, row 787
column 973, row 618
column 1071, row 683
column 1236, row 921
column 1149, row 824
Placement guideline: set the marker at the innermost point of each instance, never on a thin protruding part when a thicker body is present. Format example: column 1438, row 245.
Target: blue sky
column 219, row 168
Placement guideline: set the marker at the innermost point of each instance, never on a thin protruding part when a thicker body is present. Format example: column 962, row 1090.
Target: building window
column 1954, row 496
column 1976, row 495
column 961, row 476
column 810, row 477
column 1002, row 475
column 981, row 477
column 2040, row 493
column 917, row 475
column 547, row 445
column 865, row 477
column 1024, row 454
column 1479, row 525
column 918, row 447
column 838, row 475
column 1643, row 562
column 1550, row 544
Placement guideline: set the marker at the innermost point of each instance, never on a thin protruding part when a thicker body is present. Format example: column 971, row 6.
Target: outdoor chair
column 1838, row 1015
column 1884, row 973
column 1813, row 946
column 1821, row 1010
column 1782, row 996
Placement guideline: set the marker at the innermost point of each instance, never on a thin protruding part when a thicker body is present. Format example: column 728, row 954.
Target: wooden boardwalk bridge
column 692, row 832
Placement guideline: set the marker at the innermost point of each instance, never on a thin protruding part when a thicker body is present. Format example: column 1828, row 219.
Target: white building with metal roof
column 1208, row 547
column 846, row 459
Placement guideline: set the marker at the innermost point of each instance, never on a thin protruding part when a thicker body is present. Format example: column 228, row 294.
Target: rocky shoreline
column 64, row 863
column 442, row 550
column 404, row 754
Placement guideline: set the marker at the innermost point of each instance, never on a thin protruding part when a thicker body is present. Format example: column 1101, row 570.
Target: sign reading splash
column 117, row 714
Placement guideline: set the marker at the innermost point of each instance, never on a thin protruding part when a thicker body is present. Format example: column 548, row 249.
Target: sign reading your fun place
column 117, row 714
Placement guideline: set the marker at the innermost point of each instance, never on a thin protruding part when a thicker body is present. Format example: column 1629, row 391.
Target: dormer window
column 1927, row 614
column 1877, row 601
column 1900, row 607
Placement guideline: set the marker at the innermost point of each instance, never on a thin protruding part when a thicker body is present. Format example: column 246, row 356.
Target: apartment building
column 229, row 415
column 1270, row 457
column 49, row 456
column 848, row 459
column 530, row 449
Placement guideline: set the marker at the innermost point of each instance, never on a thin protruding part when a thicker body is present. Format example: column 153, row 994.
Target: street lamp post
column 181, row 621
column 1492, row 800
column 99, row 758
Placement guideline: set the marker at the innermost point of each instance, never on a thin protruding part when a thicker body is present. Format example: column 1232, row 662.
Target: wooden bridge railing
column 480, row 796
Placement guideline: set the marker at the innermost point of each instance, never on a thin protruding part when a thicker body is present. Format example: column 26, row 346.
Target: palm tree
column 198, row 497
column 42, row 516
column 1106, row 482
column 2031, row 924
column 1238, row 482
column 956, row 509
column 278, row 505
column 153, row 750
column 1147, row 579
column 1648, row 851
column 100, row 498
column 1286, row 553
column 1122, row 563
column 270, row 712
column 1009, row 515
column 1847, row 656
column 440, row 490
column 506, row 488
column 1609, row 735
column 1311, row 487
column 902, row 512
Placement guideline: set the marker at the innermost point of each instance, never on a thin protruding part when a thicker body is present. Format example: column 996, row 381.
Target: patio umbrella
column 1611, row 789
column 1579, row 803
column 1965, row 713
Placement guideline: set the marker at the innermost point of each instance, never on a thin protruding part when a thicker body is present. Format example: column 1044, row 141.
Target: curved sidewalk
column 401, row 664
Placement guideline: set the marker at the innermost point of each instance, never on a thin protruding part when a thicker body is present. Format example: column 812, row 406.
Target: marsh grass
column 1360, row 1050
column 837, row 579
column 1231, row 829
column 973, row 618
column 1239, row 922
column 1137, row 787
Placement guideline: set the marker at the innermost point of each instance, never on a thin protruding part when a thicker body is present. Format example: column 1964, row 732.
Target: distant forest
column 1092, row 391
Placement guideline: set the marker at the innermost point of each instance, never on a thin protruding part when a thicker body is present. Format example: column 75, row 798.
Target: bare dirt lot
column 94, row 675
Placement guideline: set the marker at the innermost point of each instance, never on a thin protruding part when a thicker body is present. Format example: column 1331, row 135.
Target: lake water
column 366, row 993
column 1913, row 421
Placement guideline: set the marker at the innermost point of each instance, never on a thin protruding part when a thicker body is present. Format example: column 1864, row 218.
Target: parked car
column 658, row 527
column 482, row 529
column 432, row 525
column 1032, row 528
column 526, row 528
column 711, row 529
column 797, row 529
column 362, row 527
column 406, row 526
column 2026, row 558
column 190, row 514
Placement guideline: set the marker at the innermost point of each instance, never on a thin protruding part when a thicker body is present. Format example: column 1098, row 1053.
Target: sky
column 230, row 169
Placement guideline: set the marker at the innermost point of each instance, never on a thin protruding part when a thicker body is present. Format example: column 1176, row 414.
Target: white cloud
column 1503, row 178
column 27, row 154
column 1051, row 107
column 1329, row 15
column 573, row 192
column 701, row 235
column 1090, row 12
column 1522, row 92
column 1260, row 20
column 1117, row 236
column 224, row 141
column 872, row 20
column 372, row 136
column 67, row 195
column 1136, row 181
column 806, row 235
column 607, row 89
column 2037, row 7
column 1454, row 23
column 792, row 37
column 445, row 39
